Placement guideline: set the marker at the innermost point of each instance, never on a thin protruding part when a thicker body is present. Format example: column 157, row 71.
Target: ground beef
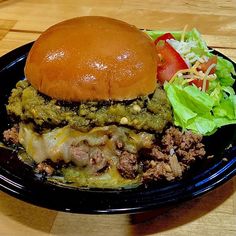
column 128, row 165
column 157, row 154
column 186, row 145
column 97, row 160
column 172, row 156
column 156, row 170
column 11, row 135
column 80, row 155
column 44, row 168
column 174, row 138
column 89, row 157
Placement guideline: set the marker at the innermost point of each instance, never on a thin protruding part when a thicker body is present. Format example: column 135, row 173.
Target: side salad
column 198, row 83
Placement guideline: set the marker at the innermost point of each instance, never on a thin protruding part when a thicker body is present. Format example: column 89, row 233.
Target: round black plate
column 19, row 180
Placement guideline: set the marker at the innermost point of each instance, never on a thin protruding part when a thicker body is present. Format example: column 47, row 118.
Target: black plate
column 19, row 180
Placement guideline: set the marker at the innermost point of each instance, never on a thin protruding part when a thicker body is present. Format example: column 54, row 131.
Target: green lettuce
column 199, row 111
column 225, row 71
column 201, row 48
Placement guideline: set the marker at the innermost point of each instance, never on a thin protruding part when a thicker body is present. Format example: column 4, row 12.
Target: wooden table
column 22, row 21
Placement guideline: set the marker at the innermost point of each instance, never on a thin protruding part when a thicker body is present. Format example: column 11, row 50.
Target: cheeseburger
column 90, row 111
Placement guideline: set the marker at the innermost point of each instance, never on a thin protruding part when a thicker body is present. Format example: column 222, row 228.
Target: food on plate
column 98, row 109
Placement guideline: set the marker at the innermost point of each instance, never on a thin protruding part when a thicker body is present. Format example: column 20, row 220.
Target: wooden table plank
column 226, row 8
column 156, row 19
column 20, row 218
column 92, row 225
column 13, row 40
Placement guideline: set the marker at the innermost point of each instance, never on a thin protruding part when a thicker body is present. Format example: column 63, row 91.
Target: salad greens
column 201, row 111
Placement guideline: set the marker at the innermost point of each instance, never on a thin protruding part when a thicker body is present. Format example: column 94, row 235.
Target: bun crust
column 92, row 58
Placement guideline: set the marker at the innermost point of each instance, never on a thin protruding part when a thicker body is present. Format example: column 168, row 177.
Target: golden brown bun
column 92, row 58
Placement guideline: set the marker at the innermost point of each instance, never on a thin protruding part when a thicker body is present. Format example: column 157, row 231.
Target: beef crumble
column 128, row 165
column 11, row 135
column 173, row 156
column 86, row 156
column 45, row 168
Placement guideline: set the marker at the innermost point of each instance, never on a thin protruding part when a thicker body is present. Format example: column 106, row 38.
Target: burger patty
column 150, row 113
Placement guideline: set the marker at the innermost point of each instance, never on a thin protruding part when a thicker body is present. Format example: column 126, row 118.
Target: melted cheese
column 183, row 33
column 55, row 144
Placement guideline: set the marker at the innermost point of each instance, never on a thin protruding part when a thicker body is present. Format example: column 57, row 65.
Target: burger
column 90, row 111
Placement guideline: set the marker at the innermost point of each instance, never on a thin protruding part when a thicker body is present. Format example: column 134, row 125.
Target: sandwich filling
column 100, row 144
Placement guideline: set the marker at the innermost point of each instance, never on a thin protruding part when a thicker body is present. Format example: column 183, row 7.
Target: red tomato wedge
column 169, row 62
column 204, row 66
column 199, row 83
column 164, row 37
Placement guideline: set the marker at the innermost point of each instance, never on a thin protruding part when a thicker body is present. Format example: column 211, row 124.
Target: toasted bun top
column 92, row 58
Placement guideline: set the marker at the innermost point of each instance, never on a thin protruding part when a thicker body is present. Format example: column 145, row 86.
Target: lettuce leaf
column 199, row 111
column 224, row 71
column 194, row 35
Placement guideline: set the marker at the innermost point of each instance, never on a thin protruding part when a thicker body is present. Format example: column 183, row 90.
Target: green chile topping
column 144, row 113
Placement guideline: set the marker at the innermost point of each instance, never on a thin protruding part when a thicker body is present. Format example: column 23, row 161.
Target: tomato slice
column 164, row 37
column 199, row 83
column 169, row 62
column 204, row 66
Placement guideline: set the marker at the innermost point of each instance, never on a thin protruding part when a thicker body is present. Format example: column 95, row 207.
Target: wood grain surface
column 22, row 21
